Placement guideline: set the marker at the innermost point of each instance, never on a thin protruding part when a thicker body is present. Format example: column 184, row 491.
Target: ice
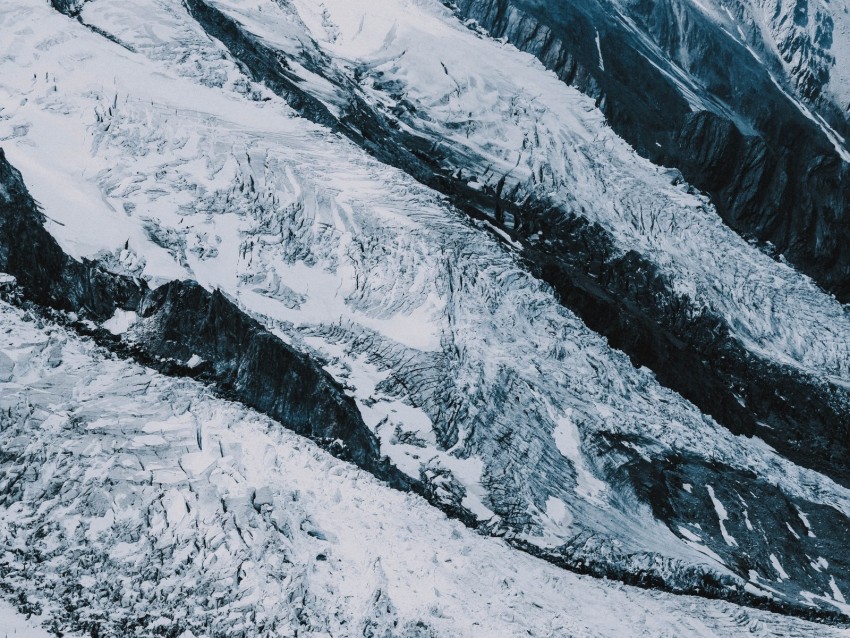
column 120, row 321
column 275, row 533
column 463, row 363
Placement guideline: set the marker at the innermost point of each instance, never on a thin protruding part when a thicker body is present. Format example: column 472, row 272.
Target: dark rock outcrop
column 771, row 171
column 182, row 319
column 625, row 298
column 806, row 540
column 68, row 7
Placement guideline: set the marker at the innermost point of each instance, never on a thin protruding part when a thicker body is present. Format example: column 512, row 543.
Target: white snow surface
column 120, row 322
column 13, row 624
column 172, row 164
column 115, row 510
column 722, row 517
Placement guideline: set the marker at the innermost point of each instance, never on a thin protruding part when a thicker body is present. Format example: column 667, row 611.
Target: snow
column 722, row 517
column 567, row 439
column 778, row 567
column 702, row 549
column 689, row 534
column 825, row 36
column 806, row 50
column 555, row 508
column 836, row 593
column 599, row 50
column 267, row 531
column 806, row 523
column 15, row 625
column 459, row 360
column 770, row 307
column 120, row 322
column 838, row 142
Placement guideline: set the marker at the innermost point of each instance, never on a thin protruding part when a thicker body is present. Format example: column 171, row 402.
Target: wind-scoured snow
column 473, row 376
column 117, row 517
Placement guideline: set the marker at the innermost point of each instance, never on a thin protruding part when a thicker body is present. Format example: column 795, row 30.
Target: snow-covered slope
column 733, row 94
column 13, row 624
column 173, row 163
column 514, row 122
column 535, row 162
column 135, row 504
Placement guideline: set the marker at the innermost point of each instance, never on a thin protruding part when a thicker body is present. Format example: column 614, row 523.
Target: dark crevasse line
column 771, row 172
column 622, row 297
column 244, row 361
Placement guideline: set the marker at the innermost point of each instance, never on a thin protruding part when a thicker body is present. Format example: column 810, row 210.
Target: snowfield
column 137, row 504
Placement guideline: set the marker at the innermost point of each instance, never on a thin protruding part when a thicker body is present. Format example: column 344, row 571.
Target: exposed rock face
column 788, row 524
column 47, row 274
column 68, row 7
column 182, row 320
column 625, row 299
column 772, row 172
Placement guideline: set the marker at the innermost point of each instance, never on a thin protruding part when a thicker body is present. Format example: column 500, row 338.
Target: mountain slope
column 331, row 184
column 721, row 92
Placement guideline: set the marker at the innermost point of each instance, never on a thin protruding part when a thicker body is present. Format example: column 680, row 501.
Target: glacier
column 139, row 504
column 414, row 272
